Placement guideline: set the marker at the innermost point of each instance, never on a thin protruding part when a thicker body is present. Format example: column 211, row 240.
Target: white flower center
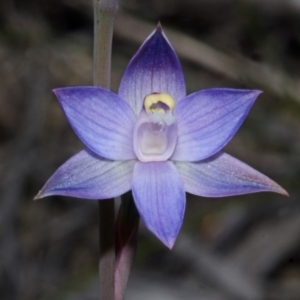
column 155, row 132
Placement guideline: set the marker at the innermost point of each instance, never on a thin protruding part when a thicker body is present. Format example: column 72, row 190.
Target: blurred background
column 243, row 248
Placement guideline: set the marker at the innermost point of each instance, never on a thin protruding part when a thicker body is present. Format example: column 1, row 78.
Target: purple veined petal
column 155, row 68
column 160, row 198
column 102, row 120
column 208, row 119
column 223, row 175
column 86, row 175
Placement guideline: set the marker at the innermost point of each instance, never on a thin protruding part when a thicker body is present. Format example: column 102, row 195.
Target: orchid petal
column 223, row 175
column 155, row 68
column 86, row 175
column 208, row 119
column 101, row 119
column 160, row 198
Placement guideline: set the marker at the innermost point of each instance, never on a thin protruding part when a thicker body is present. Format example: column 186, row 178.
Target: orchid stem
column 104, row 13
column 126, row 243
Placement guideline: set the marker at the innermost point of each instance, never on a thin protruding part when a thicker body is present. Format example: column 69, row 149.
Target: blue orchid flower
column 154, row 140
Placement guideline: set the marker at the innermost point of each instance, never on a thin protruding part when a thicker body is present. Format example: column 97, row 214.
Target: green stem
column 104, row 13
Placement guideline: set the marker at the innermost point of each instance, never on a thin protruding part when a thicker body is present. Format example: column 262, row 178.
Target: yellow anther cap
column 151, row 103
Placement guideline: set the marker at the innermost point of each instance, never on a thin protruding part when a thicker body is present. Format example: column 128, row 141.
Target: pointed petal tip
column 278, row 189
column 272, row 186
column 159, row 27
column 285, row 193
column 38, row 196
column 170, row 244
column 59, row 92
column 257, row 92
column 56, row 91
column 253, row 93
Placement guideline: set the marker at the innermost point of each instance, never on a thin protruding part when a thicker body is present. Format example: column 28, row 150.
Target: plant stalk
column 104, row 13
column 127, row 226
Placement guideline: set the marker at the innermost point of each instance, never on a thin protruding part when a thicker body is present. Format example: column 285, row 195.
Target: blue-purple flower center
column 155, row 132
